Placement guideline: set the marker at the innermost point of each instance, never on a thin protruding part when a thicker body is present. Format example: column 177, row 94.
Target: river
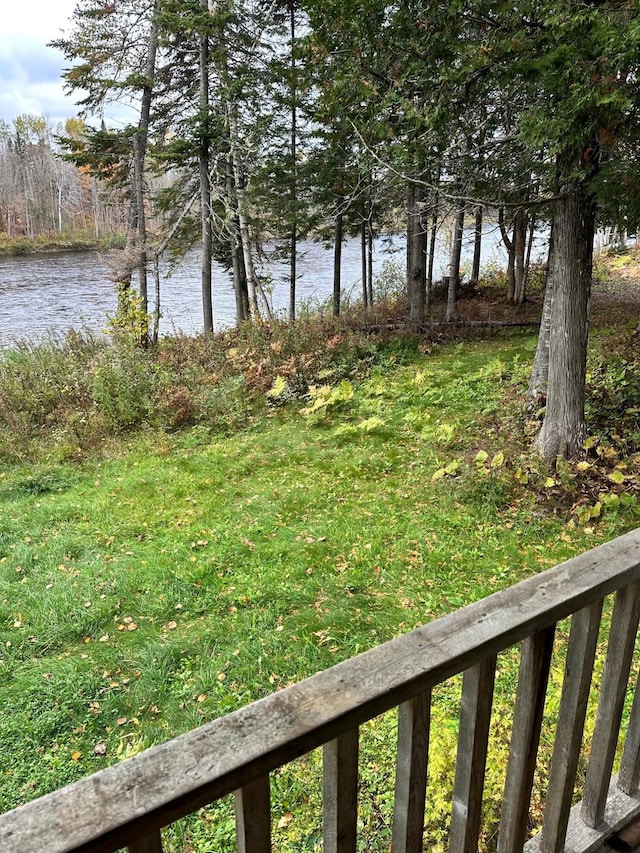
column 50, row 293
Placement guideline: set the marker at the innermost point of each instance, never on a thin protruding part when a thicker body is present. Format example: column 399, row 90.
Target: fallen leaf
column 285, row 820
column 100, row 749
column 121, row 721
column 170, row 626
column 498, row 460
column 76, row 755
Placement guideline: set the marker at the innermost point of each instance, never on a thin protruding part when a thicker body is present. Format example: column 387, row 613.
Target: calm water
column 51, row 293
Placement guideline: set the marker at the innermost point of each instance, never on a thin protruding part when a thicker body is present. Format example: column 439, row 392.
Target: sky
column 30, row 71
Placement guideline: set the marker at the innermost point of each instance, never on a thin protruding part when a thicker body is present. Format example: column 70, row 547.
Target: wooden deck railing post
column 622, row 637
column 253, row 817
column 411, row 774
column 340, row 793
column 532, row 688
column 473, row 738
column 573, row 708
column 629, row 775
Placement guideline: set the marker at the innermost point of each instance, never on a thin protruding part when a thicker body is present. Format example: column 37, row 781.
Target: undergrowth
column 66, row 397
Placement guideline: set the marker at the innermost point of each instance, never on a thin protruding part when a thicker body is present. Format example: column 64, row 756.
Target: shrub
column 42, row 387
column 123, row 384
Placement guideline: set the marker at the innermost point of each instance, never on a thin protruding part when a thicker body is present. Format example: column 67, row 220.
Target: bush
column 123, row 383
column 43, row 388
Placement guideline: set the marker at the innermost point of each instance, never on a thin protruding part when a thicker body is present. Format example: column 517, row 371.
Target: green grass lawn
column 144, row 594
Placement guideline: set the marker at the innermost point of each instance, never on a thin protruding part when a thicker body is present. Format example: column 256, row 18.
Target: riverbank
column 79, row 241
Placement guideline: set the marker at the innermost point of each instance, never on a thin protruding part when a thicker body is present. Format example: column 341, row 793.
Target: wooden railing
column 128, row 804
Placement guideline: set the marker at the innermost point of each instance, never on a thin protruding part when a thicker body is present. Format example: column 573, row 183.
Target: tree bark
column 417, row 258
column 294, row 173
column 453, row 315
column 205, row 181
column 245, row 235
column 337, row 265
column 237, row 263
column 477, row 247
column 540, row 373
column 432, row 248
column 564, row 429
column 139, row 154
column 363, row 263
column 519, row 251
column 370, row 255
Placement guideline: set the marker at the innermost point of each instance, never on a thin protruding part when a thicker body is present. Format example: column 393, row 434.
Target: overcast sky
column 29, row 70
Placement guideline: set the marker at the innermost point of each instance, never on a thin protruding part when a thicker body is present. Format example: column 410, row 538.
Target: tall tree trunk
column 511, row 262
column 416, row 280
column 239, row 193
column 294, row 172
column 519, row 249
column 452, row 314
column 530, row 239
column 370, row 254
column 205, row 181
column 245, row 234
column 155, row 324
column 432, row 240
column 237, row 264
column 337, row 265
column 540, row 373
column 564, row 430
column 363, row 263
column 477, row 246
column 139, row 156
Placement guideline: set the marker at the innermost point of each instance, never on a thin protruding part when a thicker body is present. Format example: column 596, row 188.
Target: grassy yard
column 183, row 575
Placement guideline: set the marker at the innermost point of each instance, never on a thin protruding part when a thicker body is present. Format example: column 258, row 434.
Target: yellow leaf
column 285, row 820
column 439, row 474
column 616, row 476
column 549, row 483
column 498, row 460
column 76, row 756
column 583, row 466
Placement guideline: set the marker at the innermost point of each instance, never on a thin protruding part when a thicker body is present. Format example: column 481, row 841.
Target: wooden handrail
column 127, row 804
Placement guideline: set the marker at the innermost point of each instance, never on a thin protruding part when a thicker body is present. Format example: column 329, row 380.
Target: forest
column 290, row 119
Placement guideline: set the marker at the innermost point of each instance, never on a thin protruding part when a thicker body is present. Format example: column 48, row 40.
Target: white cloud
column 31, row 72
column 42, row 18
